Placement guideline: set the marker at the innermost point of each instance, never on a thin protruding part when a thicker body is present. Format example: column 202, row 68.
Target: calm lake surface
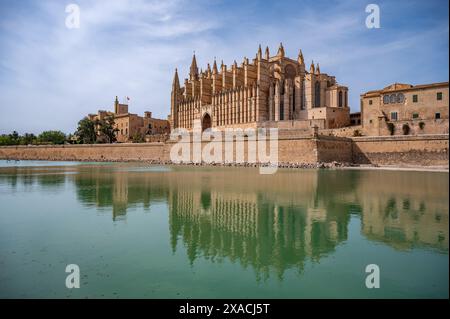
column 187, row 232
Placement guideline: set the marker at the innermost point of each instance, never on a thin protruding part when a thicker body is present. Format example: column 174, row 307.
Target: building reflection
column 405, row 210
column 29, row 177
column 251, row 220
column 266, row 222
column 118, row 189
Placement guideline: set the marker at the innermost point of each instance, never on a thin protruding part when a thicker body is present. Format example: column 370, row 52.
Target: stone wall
column 423, row 150
column 348, row 131
column 302, row 149
column 330, row 149
column 97, row 152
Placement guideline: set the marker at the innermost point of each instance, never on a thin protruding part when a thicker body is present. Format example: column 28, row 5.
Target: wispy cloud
column 51, row 76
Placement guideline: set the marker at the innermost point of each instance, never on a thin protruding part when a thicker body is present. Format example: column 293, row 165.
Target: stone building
column 355, row 118
column 406, row 109
column 268, row 91
column 130, row 125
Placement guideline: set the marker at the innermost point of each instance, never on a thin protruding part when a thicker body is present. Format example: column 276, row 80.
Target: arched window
column 206, row 122
column 302, row 96
column 317, row 94
column 289, row 72
column 340, row 98
column 293, row 98
column 282, row 110
column 346, row 99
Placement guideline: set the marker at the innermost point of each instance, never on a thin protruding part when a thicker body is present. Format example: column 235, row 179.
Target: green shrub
column 52, row 137
column 421, row 125
column 405, row 129
column 357, row 133
column 391, row 128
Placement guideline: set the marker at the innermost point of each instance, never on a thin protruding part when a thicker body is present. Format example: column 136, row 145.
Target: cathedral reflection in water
column 269, row 222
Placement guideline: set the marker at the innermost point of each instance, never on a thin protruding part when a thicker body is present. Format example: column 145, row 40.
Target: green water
column 188, row 232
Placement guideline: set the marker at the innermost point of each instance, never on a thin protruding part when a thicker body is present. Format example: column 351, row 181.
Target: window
column 293, row 100
column 340, row 98
column 437, row 116
column 346, row 99
column 302, row 100
column 415, row 115
column 370, row 102
column 370, row 121
column 317, row 94
column 394, row 116
column 393, row 98
column 400, row 98
column 281, row 110
column 386, row 99
column 439, row 96
column 415, row 98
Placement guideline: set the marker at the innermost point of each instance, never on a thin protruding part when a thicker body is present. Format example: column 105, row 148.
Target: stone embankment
column 293, row 152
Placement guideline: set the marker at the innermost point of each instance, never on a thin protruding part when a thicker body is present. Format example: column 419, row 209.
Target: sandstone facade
column 130, row 125
column 267, row 91
column 423, row 109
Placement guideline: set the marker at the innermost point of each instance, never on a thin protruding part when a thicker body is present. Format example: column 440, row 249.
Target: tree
column 421, row 125
column 52, row 137
column 137, row 137
column 15, row 137
column 86, row 131
column 108, row 129
column 6, row 139
column 405, row 129
column 391, row 128
column 28, row 138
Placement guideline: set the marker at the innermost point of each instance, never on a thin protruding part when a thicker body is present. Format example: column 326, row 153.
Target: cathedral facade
column 269, row 91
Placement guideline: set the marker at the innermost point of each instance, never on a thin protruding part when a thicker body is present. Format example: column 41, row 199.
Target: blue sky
column 51, row 76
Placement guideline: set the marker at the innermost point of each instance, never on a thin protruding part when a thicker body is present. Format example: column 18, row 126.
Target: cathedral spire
column 311, row 68
column 318, row 69
column 267, row 54
column 223, row 67
column 176, row 81
column 194, row 69
column 280, row 52
column 259, row 54
column 300, row 59
column 214, row 67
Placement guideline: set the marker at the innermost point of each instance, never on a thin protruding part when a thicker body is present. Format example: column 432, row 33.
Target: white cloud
column 52, row 76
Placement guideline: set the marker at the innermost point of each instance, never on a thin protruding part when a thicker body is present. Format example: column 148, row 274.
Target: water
column 188, row 232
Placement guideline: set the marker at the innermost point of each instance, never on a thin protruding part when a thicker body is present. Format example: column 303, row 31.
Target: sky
column 51, row 76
